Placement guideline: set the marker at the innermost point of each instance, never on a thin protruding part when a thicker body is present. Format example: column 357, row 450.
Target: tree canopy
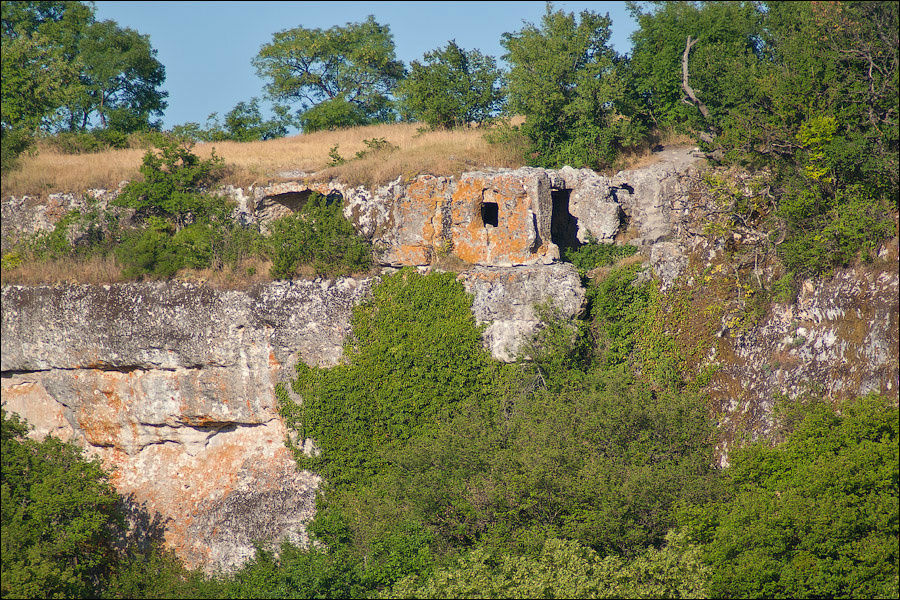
column 112, row 73
column 341, row 76
column 453, row 87
column 563, row 79
column 65, row 71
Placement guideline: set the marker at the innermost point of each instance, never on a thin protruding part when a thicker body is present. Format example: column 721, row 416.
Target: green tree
column 724, row 50
column 243, row 123
column 340, row 76
column 113, row 73
column 174, row 184
column 38, row 70
column 120, row 80
column 563, row 79
column 816, row 516
column 60, row 517
column 453, row 88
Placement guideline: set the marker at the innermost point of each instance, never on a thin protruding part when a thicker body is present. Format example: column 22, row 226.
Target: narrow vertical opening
column 490, row 214
column 563, row 226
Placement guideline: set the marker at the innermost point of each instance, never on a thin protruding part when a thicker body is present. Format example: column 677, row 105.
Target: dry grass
column 643, row 155
column 437, row 152
column 95, row 270
column 419, row 151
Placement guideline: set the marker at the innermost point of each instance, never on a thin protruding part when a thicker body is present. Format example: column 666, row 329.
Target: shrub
column 319, row 236
column 816, row 516
column 173, row 185
column 826, row 231
column 54, row 544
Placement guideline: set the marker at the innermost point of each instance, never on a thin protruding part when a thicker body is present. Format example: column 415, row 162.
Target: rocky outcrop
column 172, row 386
column 506, row 300
column 491, row 218
column 839, row 339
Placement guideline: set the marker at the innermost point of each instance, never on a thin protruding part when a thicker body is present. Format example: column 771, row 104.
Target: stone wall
column 503, row 218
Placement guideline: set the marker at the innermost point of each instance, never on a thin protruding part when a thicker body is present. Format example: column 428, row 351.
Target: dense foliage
column 317, row 235
column 65, row 71
column 469, row 84
column 430, row 447
column 807, row 89
column 243, row 123
column 341, row 76
column 814, row 517
column 586, row 468
column 54, row 545
column 563, row 79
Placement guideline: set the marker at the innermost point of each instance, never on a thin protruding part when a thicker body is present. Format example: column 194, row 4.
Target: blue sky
column 206, row 47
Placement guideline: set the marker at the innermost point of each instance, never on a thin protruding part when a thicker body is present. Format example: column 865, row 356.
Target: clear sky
column 207, row 47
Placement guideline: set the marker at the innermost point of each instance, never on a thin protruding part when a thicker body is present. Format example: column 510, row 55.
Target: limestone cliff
column 173, row 383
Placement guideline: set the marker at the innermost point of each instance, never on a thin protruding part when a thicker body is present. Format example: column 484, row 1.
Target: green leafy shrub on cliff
column 60, row 518
column 415, row 355
column 319, row 236
column 593, row 254
column 816, row 516
column 174, row 185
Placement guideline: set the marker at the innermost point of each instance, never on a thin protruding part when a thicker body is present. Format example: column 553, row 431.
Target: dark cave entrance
column 490, row 213
column 563, row 226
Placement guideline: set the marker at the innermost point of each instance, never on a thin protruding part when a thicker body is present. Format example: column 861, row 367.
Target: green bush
column 618, row 312
column 816, row 516
column 415, row 355
column 453, row 88
column 831, row 230
column 174, row 184
column 55, row 544
column 319, row 236
column 564, row 569
column 333, row 114
column 85, row 142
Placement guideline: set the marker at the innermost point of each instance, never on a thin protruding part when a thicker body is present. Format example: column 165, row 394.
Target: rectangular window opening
column 490, row 213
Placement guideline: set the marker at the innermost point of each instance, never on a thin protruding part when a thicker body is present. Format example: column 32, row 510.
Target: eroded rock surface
column 505, row 299
column 172, row 385
column 839, row 339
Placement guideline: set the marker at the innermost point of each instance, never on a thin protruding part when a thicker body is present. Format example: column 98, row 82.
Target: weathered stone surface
column 172, row 384
column 506, row 299
column 840, row 339
column 27, row 215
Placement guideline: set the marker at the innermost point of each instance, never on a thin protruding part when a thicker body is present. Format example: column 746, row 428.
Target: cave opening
column 563, row 226
column 490, row 214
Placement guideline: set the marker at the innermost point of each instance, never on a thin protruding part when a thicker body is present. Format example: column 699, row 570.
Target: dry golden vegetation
column 418, row 151
column 95, row 270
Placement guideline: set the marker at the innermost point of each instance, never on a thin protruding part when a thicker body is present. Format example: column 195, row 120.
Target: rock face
column 840, row 339
column 172, row 385
column 505, row 299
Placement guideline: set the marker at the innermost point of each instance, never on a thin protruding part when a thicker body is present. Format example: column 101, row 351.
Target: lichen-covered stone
column 505, row 299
